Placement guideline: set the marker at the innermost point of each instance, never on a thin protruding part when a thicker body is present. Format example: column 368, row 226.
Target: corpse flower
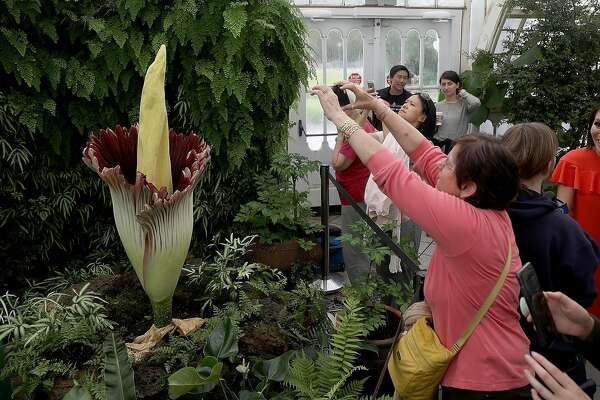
column 151, row 173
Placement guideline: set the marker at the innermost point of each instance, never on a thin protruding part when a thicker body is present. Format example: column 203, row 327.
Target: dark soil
column 75, row 352
column 150, row 382
column 263, row 340
column 128, row 306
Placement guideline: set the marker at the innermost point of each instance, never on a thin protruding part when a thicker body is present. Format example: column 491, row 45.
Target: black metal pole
column 324, row 170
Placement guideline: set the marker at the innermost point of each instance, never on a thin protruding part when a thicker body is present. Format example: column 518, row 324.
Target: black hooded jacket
column 563, row 255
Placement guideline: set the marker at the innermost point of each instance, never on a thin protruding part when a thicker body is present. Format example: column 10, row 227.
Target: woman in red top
column 353, row 176
column 578, row 178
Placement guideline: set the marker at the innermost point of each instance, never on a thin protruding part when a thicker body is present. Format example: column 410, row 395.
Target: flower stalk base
column 162, row 312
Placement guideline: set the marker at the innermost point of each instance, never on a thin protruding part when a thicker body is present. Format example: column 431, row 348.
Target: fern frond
column 349, row 392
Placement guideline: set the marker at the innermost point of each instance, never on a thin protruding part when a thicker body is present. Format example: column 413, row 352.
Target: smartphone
column 538, row 307
column 371, row 85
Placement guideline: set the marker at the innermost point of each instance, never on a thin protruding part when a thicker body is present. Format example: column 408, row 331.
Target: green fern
column 236, row 61
column 179, row 352
column 327, row 377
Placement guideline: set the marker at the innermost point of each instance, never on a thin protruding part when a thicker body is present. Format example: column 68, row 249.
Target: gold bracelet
column 348, row 128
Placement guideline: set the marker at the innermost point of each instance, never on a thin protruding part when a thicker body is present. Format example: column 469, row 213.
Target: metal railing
column 410, row 269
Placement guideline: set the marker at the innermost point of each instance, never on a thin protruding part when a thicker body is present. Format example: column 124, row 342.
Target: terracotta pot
column 386, row 342
column 282, row 255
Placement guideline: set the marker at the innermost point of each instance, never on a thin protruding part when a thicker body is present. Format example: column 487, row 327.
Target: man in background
column 395, row 94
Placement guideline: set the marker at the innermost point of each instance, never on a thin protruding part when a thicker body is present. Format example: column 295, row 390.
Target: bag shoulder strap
column 485, row 306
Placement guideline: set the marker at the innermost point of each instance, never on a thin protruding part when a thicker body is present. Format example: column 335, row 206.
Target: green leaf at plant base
column 275, row 369
column 246, row 395
column 187, row 379
column 184, row 381
column 118, row 373
column 78, row 393
column 222, row 342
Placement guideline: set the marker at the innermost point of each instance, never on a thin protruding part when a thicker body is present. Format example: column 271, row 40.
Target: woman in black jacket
column 570, row 318
column 563, row 255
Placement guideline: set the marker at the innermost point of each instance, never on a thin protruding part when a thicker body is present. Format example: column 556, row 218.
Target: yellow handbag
column 419, row 360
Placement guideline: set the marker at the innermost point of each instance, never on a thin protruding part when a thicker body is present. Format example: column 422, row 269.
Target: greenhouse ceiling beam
column 380, row 12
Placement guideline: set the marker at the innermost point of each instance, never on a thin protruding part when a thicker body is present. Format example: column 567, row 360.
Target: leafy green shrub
column 551, row 67
column 481, row 81
column 50, row 335
column 227, row 276
column 212, row 374
column 71, row 68
column 281, row 212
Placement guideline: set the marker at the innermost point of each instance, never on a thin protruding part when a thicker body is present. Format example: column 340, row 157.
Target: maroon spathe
column 110, row 149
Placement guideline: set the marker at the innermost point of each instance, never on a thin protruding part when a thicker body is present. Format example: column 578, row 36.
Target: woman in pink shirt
column 463, row 207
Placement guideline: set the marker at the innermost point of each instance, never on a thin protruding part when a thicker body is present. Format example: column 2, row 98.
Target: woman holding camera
column 463, row 208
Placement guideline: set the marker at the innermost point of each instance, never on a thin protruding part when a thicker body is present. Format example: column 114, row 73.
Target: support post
column 327, row 284
column 324, row 170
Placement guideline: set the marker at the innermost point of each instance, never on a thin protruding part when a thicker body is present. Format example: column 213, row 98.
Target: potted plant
column 382, row 301
column 280, row 216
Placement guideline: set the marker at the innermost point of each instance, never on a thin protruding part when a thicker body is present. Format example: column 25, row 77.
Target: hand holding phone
column 370, row 86
column 538, row 307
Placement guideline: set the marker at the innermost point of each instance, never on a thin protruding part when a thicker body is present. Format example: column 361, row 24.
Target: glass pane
column 451, row 3
column 412, row 55
column 354, row 55
column 420, row 3
column 431, row 47
column 512, row 23
column 393, row 50
column 335, row 68
column 326, row 2
column 335, row 57
column 314, row 113
column 354, row 2
column 301, row 2
column 504, row 36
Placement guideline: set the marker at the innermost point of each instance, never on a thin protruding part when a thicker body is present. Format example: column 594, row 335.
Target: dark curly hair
column 592, row 118
column 485, row 161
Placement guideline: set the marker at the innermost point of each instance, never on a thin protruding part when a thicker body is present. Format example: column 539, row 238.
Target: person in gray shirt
column 457, row 109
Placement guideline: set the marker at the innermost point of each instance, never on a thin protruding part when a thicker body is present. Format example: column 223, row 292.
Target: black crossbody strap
column 385, row 238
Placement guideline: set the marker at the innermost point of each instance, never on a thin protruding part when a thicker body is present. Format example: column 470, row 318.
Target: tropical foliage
column 551, row 68
column 282, row 211
column 71, row 68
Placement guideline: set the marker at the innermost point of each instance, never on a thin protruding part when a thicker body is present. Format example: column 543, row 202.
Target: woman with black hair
column 457, row 108
column 419, row 111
